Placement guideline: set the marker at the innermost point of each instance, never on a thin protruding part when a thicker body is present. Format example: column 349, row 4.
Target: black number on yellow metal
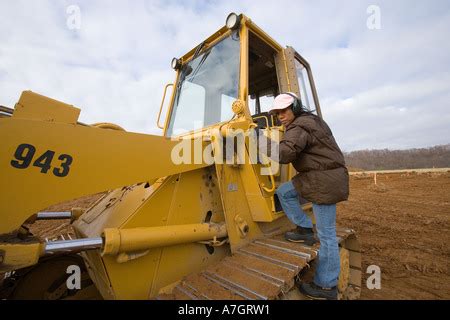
column 44, row 162
column 24, row 156
column 65, row 164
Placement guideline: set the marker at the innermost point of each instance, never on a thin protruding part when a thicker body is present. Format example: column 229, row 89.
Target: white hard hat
column 282, row 101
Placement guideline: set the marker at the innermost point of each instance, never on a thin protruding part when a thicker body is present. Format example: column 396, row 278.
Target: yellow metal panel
column 196, row 194
column 283, row 81
column 21, row 255
column 236, row 207
column 179, row 261
column 101, row 160
column 292, row 71
column 33, row 106
column 262, row 34
column 209, row 42
column 243, row 78
column 133, row 279
column 181, row 199
column 259, row 205
column 98, row 274
column 114, row 209
column 119, row 207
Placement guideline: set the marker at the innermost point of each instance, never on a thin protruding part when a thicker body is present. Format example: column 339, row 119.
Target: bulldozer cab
column 242, row 63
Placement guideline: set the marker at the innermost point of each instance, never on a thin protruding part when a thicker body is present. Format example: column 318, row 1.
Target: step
column 265, row 269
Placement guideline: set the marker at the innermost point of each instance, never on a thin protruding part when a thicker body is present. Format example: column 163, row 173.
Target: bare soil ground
column 51, row 230
column 403, row 224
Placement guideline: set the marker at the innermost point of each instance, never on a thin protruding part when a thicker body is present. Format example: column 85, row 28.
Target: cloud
column 397, row 116
column 378, row 88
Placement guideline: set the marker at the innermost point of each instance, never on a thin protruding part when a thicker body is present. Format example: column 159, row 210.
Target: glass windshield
column 207, row 87
column 305, row 87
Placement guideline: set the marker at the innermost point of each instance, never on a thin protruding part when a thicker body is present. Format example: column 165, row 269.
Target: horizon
column 447, row 145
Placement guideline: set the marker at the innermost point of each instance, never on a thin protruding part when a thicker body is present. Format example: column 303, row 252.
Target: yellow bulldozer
column 171, row 224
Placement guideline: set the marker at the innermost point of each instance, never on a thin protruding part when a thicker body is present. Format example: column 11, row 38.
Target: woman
column 322, row 179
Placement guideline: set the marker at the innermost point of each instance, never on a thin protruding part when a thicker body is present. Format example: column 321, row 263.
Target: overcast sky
column 379, row 88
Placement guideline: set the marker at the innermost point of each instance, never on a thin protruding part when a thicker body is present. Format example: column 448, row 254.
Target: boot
column 301, row 235
column 313, row 291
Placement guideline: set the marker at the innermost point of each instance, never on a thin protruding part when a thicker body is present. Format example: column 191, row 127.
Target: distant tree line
column 433, row 157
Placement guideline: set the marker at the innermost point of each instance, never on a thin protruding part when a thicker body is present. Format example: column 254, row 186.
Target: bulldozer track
column 265, row 269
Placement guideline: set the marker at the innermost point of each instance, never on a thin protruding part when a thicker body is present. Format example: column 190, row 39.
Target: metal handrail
column 162, row 103
column 271, row 177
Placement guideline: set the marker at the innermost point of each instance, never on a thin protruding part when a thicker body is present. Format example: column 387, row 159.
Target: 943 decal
column 25, row 155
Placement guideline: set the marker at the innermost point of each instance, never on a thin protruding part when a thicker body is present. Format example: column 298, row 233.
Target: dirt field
column 52, row 229
column 403, row 224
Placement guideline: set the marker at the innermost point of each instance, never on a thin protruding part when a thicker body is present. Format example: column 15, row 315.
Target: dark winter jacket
column 311, row 148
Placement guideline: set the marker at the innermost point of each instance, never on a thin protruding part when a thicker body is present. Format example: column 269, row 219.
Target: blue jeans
column 328, row 267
